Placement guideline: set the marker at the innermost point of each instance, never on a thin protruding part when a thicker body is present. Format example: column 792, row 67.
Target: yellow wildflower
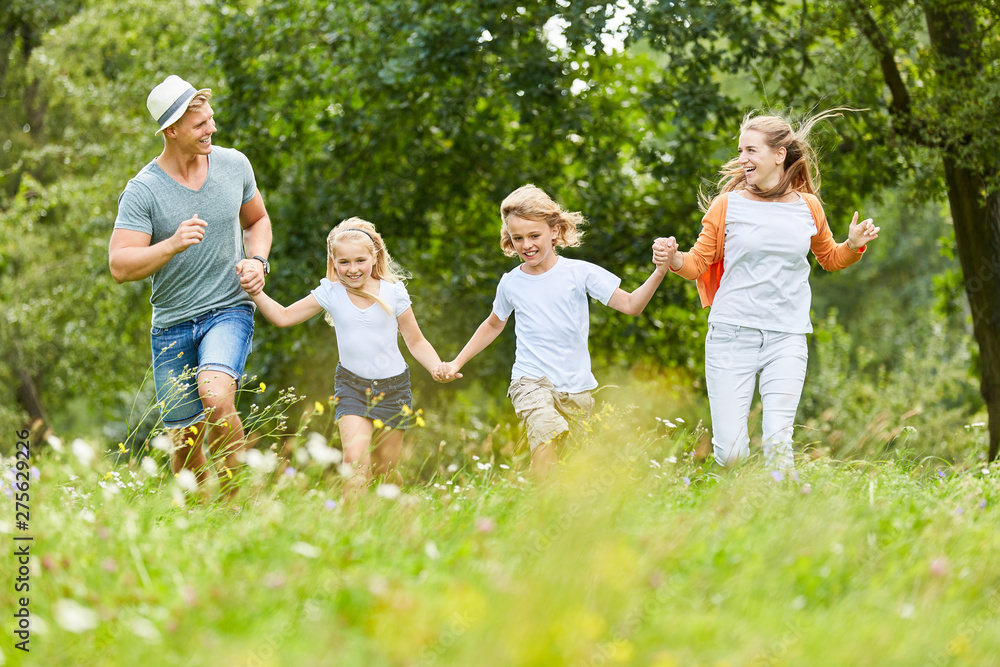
column 121, row 448
column 109, row 475
column 262, row 387
column 420, row 421
column 407, row 410
column 190, row 441
column 194, row 429
column 378, row 423
column 229, row 473
column 319, row 408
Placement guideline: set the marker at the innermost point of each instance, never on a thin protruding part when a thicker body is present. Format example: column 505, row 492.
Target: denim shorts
column 219, row 340
column 388, row 400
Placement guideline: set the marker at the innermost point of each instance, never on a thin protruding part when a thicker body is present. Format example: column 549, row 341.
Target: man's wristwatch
column 267, row 266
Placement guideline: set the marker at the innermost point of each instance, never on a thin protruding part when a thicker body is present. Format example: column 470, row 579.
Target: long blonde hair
column 363, row 233
column 531, row 203
column 801, row 171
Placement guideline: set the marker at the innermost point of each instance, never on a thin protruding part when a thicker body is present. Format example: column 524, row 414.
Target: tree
column 928, row 74
column 421, row 116
column 70, row 337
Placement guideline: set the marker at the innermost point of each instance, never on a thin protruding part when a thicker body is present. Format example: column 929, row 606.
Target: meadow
column 636, row 553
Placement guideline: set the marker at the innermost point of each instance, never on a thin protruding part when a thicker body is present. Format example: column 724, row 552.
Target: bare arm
column 633, row 303
column 256, row 241
column 282, row 316
column 485, row 334
column 419, row 347
column 131, row 257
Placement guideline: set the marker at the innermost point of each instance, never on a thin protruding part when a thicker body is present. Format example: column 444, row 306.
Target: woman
column 751, row 265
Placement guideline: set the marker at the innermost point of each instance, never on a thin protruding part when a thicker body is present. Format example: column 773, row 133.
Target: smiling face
column 193, row 132
column 534, row 242
column 762, row 166
column 354, row 264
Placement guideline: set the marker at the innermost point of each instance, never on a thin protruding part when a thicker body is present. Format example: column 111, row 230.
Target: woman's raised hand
column 861, row 233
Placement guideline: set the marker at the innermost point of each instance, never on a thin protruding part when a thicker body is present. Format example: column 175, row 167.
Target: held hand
column 189, row 233
column 664, row 250
column 446, row 372
column 861, row 234
column 251, row 273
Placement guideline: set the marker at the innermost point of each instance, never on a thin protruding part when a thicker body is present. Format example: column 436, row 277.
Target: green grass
column 633, row 555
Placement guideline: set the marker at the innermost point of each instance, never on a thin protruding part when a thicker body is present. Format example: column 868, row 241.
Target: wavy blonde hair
column 363, row 233
column 801, row 170
column 531, row 203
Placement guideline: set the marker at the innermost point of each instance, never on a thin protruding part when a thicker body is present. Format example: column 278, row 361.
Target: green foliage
column 422, row 116
column 65, row 324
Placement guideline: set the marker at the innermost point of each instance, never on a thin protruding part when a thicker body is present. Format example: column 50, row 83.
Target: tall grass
column 635, row 553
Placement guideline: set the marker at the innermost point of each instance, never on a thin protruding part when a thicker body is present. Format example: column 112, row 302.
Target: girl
column 551, row 379
column 751, row 264
column 365, row 300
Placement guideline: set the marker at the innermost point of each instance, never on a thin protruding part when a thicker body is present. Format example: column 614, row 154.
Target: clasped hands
column 664, row 251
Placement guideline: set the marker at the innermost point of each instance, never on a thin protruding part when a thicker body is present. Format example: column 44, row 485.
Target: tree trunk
column 955, row 37
column 27, row 395
column 977, row 239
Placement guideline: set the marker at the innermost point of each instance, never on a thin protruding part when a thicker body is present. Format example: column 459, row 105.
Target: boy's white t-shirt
column 367, row 338
column 552, row 320
column 765, row 284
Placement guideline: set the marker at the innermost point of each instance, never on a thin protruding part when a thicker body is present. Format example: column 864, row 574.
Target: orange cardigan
column 704, row 261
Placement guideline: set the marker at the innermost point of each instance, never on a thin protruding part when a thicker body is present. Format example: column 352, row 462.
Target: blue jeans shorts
column 219, row 340
column 388, row 400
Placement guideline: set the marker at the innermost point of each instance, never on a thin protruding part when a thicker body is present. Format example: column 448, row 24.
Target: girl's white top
column 552, row 320
column 367, row 338
column 765, row 282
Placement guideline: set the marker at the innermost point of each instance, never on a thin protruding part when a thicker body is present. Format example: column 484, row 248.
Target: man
column 180, row 222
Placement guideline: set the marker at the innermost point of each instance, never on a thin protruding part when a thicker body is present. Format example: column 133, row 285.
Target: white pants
column 734, row 356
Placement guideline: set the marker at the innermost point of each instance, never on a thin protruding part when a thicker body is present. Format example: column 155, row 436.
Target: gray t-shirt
column 203, row 277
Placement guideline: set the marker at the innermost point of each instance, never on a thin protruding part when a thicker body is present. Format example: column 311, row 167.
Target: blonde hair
column 363, row 233
column 801, row 171
column 531, row 203
column 201, row 97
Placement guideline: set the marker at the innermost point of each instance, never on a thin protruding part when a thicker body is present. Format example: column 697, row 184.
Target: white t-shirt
column 552, row 320
column 765, row 284
column 367, row 338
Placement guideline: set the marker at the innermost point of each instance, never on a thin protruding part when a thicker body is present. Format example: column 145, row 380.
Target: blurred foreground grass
column 634, row 555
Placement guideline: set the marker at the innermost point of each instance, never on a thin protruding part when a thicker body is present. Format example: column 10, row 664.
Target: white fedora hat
column 169, row 100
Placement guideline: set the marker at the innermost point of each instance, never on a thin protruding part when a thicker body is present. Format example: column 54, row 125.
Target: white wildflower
column 387, row 491
column 149, row 466
column 260, row 461
column 162, row 443
column 144, row 628
column 55, row 443
column 305, row 549
column 320, row 452
column 83, row 452
column 72, row 616
column 186, row 480
column 431, row 550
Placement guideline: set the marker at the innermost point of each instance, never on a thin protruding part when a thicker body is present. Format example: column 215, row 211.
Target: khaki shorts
column 544, row 410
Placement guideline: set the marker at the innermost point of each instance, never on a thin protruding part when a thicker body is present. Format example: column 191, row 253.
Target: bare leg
column 187, row 452
column 387, row 452
column 225, row 429
column 544, row 459
column 356, row 437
